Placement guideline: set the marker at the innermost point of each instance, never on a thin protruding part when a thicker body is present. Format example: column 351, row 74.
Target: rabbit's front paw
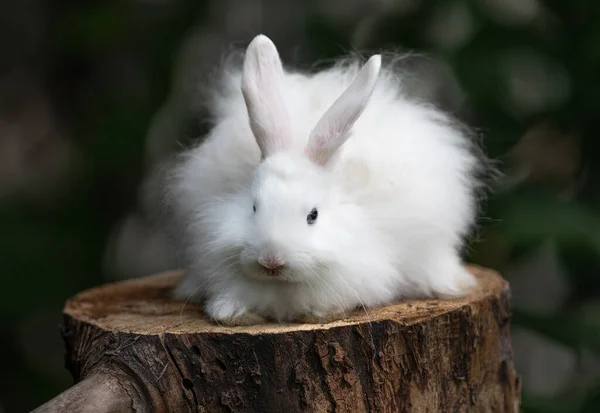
column 228, row 313
column 458, row 283
column 245, row 319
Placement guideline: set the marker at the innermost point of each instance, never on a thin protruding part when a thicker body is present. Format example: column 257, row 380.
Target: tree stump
column 131, row 349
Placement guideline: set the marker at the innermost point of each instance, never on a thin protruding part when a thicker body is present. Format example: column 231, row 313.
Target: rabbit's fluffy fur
column 395, row 202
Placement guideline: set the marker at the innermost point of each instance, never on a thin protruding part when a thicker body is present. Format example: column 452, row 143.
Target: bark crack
column 126, row 390
column 323, row 373
column 127, row 381
column 194, row 404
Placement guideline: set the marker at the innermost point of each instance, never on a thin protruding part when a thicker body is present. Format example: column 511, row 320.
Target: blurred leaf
column 592, row 401
column 90, row 29
column 535, row 215
column 570, row 334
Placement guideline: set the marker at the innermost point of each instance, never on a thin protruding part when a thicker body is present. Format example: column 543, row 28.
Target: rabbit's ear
column 262, row 86
column 333, row 129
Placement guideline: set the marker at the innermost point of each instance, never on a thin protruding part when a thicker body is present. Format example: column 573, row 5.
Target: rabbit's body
column 395, row 203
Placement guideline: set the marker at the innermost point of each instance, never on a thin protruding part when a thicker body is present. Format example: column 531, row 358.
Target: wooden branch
column 99, row 393
column 130, row 348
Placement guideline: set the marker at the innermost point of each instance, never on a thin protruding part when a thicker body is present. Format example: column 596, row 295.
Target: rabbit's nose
column 271, row 263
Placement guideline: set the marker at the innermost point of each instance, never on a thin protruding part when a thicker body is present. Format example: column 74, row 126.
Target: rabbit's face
column 289, row 219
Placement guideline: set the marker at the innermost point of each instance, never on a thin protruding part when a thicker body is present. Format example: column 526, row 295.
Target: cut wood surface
column 147, row 353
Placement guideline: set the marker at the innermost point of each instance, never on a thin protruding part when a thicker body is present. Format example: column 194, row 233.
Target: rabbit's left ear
column 262, row 87
column 333, row 129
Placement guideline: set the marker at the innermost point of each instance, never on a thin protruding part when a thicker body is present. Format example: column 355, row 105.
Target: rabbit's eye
column 254, row 207
column 312, row 217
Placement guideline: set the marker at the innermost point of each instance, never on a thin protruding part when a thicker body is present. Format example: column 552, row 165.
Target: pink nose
column 271, row 263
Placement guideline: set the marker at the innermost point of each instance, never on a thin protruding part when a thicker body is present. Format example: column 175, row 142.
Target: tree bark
column 146, row 353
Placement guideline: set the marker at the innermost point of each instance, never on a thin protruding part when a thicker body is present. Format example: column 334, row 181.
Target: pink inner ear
column 334, row 128
column 311, row 155
column 321, row 140
column 316, row 150
column 262, row 88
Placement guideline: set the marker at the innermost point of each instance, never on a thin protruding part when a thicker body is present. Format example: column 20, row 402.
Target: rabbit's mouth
column 282, row 274
column 274, row 275
column 273, row 272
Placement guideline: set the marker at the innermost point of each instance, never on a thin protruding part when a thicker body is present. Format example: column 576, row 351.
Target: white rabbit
column 315, row 194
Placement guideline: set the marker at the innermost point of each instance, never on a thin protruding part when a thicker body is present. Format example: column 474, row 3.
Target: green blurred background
column 94, row 94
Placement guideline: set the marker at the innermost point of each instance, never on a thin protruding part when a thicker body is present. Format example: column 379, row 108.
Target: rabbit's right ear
column 262, row 86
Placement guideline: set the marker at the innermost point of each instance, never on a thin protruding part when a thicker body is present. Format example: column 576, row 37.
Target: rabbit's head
column 298, row 219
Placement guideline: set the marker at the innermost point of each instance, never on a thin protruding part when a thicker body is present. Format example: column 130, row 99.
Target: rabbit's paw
column 244, row 319
column 457, row 282
column 227, row 313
